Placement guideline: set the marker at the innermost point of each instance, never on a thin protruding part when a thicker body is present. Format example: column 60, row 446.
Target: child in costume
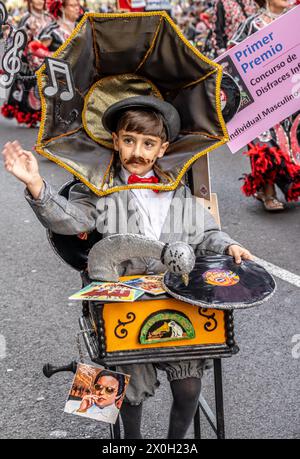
column 142, row 128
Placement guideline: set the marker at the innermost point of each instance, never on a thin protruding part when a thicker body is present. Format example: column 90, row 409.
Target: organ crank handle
column 49, row 369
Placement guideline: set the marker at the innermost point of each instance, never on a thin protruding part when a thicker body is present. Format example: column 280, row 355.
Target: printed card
column 97, row 393
column 149, row 284
column 107, row 291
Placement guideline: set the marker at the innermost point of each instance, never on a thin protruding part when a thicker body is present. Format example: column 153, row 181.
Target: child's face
column 138, row 152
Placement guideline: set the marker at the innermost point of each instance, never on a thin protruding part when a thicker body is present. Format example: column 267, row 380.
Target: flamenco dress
column 23, row 102
column 275, row 154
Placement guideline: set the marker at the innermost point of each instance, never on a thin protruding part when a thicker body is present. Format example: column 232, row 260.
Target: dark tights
column 185, row 401
column 132, row 418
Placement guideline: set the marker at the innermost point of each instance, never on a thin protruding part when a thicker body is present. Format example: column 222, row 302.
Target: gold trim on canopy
column 114, row 56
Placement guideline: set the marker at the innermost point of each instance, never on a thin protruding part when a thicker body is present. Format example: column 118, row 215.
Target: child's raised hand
column 23, row 165
column 239, row 253
column 20, row 163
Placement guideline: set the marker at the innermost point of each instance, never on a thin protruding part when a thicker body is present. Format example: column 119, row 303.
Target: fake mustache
column 137, row 160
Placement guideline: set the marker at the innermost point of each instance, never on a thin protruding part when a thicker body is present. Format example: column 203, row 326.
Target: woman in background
column 23, row 102
column 228, row 15
column 275, row 154
column 66, row 14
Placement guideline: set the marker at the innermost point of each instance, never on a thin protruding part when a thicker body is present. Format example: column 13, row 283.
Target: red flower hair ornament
column 54, row 7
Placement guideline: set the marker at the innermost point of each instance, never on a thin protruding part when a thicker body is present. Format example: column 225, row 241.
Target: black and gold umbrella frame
column 115, row 56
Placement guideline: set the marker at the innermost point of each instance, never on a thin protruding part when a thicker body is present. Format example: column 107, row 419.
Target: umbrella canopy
column 115, row 56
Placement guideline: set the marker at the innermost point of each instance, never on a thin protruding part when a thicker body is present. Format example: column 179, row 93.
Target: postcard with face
column 97, row 393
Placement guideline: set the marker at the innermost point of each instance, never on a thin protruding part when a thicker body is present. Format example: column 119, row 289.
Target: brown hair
column 143, row 122
column 261, row 3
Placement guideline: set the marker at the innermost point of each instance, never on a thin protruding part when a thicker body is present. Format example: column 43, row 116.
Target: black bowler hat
column 169, row 113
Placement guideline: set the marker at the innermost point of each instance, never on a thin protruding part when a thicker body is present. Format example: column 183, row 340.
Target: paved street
column 39, row 325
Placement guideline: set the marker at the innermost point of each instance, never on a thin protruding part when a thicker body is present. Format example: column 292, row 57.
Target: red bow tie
column 133, row 178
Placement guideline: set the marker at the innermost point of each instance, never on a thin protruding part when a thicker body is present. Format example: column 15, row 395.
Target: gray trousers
column 143, row 381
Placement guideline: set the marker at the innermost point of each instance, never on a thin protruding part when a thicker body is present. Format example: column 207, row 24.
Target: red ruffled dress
column 23, row 102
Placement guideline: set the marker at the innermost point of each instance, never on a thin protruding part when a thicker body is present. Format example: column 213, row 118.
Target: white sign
column 154, row 5
column 138, row 3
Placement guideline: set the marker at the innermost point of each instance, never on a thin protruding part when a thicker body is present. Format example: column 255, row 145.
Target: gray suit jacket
column 118, row 213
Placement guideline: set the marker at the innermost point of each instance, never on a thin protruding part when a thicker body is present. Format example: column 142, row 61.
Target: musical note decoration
column 54, row 68
column 3, row 17
column 11, row 61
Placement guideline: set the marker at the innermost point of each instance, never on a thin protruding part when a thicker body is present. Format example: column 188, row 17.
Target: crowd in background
column 195, row 18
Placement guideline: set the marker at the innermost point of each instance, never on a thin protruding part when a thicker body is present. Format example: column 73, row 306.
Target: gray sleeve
column 65, row 216
column 205, row 236
column 214, row 240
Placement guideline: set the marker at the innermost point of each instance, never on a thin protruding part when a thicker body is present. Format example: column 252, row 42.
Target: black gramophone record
column 230, row 97
column 218, row 282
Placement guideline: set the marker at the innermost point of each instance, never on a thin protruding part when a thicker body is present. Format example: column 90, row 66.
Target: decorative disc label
column 220, row 277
